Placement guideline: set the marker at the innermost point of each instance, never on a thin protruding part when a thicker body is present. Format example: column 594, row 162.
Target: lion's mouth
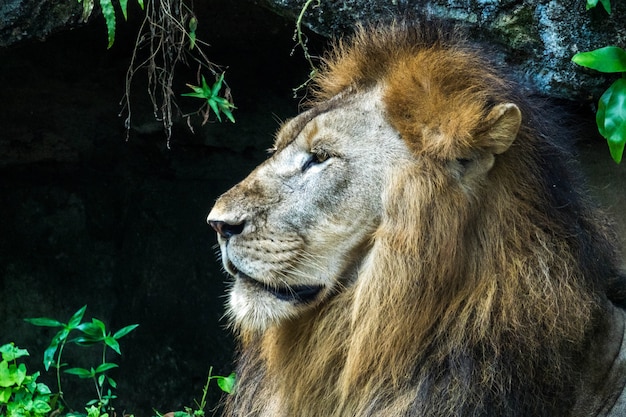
column 292, row 293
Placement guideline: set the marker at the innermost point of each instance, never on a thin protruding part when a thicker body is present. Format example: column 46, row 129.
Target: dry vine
column 302, row 41
column 167, row 34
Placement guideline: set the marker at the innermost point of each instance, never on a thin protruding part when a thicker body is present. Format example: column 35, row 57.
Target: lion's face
column 296, row 230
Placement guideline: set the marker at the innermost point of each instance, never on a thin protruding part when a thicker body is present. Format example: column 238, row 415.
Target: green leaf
column 124, row 7
column 11, row 375
column 99, row 324
column 111, row 382
column 48, row 354
column 605, row 3
column 93, row 332
column 591, row 4
column 43, row 389
column 113, row 344
column 105, row 367
column 5, row 394
column 205, row 88
column 140, row 3
column 611, row 118
column 93, row 411
column 76, row 318
column 41, row 406
column 6, row 377
column 228, row 114
column 215, row 108
column 607, row 59
column 193, row 25
column 45, row 322
column 227, row 383
column 81, row 372
column 19, row 373
column 124, row 331
column 218, row 85
column 108, row 11
column 198, row 92
column 10, row 352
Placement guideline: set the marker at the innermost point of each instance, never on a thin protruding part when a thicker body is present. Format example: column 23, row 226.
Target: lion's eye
column 315, row 159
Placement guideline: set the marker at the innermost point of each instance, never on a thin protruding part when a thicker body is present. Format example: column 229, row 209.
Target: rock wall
column 36, row 19
column 535, row 39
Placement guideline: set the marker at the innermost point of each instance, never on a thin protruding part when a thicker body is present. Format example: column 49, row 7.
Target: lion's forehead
column 345, row 115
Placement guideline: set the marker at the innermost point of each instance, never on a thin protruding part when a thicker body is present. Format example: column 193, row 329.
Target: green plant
column 168, row 33
column 91, row 333
column 20, row 394
column 225, row 383
column 108, row 11
column 611, row 113
column 213, row 100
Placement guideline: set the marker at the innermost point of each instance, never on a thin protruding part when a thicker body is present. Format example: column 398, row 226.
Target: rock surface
column 36, row 19
column 534, row 38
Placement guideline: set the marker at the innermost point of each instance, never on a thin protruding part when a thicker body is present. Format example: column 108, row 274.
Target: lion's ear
column 500, row 128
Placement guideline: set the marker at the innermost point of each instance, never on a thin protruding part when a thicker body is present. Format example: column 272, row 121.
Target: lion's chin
column 255, row 307
column 296, row 294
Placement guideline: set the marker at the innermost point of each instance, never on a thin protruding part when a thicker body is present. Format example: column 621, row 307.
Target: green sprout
column 211, row 95
column 93, row 333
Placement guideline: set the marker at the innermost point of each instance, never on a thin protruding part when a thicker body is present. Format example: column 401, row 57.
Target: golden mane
column 469, row 304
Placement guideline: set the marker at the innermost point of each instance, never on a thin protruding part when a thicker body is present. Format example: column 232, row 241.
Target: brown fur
column 480, row 303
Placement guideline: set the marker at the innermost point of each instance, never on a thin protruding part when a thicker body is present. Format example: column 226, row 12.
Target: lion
column 419, row 244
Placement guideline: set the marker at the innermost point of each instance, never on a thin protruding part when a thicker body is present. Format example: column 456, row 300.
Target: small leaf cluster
column 20, row 394
column 611, row 113
column 211, row 94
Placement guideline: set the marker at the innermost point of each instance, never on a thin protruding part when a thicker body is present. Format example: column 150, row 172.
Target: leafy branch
column 92, row 333
column 167, row 38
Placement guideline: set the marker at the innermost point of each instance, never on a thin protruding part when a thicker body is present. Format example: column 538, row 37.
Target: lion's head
column 413, row 246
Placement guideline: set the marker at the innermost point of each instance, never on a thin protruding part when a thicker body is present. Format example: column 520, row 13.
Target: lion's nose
column 226, row 230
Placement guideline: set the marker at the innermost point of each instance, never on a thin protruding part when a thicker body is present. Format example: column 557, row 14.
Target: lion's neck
column 326, row 365
column 347, row 358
